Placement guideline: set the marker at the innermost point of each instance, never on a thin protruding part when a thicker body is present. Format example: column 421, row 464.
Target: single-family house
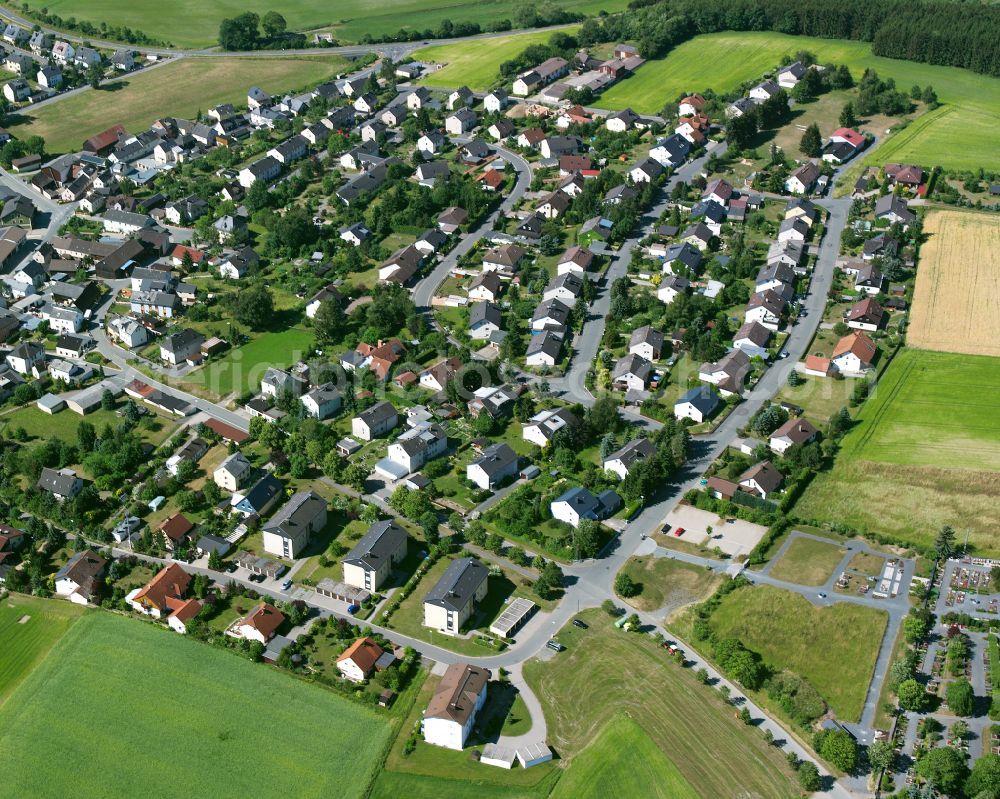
column 80, row 579
column 544, row 349
column 697, row 403
column 753, row 338
column 790, row 434
column 646, row 342
column 728, row 374
column 854, row 354
column 624, row 460
column 541, row 428
column 357, row 662
column 260, row 624
column 376, row 421
column 495, row 464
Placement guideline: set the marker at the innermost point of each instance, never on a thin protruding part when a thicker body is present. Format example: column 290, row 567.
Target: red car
column 679, row 532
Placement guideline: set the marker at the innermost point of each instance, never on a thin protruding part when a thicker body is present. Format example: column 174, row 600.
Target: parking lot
column 735, row 537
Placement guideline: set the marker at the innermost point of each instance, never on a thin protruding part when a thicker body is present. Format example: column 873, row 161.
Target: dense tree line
column 951, row 34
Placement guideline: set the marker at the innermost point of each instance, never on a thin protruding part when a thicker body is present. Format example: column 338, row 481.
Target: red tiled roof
column 364, row 652
column 176, row 527
column 264, row 618
column 857, row 343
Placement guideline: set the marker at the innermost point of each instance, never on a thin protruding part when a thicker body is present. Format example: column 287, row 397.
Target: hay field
column 956, row 305
column 834, row 648
column 604, row 673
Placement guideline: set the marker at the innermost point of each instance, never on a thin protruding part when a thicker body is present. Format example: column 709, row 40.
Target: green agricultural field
column 242, row 368
column 605, row 673
column 180, row 88
column 476, row 64
column 807, row 562
column 192, row 24
column 925, row 453
column 963, row 134
column 623, row 761
column 129, row 683
column 834, row 648
column 26, row 641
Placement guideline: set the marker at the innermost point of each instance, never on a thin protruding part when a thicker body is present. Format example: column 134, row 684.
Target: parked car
column 679, row 532
column 665, row 529
column 352, row 609
column 581, row 624
column 232, row 566
column 555, row 646
column 286, row 585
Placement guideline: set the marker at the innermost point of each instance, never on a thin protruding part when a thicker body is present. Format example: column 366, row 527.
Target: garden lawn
column 476, row 64
column 605, row 673
column 128, row 683
column 242, row 368
column 924, row 452
column 807, row 562
column 26, row 645
column 623, row 761
column 963, row 134
column 667, row 583
column 181, row 88
column 834, row 648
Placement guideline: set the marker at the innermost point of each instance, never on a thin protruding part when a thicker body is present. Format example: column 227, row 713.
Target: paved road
column 424, row 291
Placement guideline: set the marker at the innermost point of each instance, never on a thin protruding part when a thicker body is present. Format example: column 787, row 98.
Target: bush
column 625, row 586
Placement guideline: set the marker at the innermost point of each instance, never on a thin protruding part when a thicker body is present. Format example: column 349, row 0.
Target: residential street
column 425, row 289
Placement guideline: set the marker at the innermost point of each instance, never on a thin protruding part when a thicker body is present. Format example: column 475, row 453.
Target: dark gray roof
column 459, row 584
column 378, row 413
column 377, row 545
column 485, row 312
column 701, row 397
column 298, row 513
column 496, row 458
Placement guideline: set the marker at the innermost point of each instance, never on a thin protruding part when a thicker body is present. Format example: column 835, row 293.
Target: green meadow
column 925, row 452
column 121, row 708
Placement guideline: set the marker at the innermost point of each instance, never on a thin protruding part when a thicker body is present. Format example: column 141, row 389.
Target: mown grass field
column 605, row 673
column 956, row 303
column 26, row 645
column 807, row 562
column 122, row 709
column 924, row 453
column 668, row 584
column 623, row 761
column 476, row 64
column 963, row 134
column 180, row 88
column 194, row 25
column 834, row 648
column 242, row 368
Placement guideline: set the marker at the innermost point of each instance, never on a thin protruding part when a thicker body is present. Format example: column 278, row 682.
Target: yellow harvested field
column 956, row 303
